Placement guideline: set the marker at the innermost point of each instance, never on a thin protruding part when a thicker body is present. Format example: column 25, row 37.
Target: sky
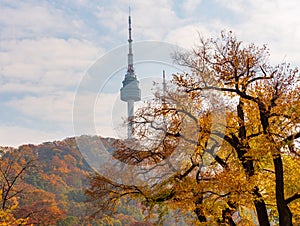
column 49, row 49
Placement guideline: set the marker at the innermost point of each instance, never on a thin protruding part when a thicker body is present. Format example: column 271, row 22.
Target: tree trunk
column 261, row 209
column 284, row 212
column 248, row 166
column 227, row 217
column 198, row 211
column 199, row 214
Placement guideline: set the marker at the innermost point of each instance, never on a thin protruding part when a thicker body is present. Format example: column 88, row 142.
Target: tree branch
column 292, row 198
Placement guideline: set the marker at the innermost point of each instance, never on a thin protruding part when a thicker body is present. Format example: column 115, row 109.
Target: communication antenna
column 130, row 91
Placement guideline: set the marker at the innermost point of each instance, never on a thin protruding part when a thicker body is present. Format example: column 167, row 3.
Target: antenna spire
column 129, row 23
column 130, row 69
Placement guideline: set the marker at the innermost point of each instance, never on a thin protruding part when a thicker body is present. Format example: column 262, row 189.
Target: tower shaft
column 130, row 112
column 130, row 92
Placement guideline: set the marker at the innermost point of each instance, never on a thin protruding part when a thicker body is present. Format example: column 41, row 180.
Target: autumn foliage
column 243, row 170
column 44, row 185
column 218, row 146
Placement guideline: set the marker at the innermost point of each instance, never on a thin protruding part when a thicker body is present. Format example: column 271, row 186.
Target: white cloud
column 188, row 36
column 46, row 61
column 15, row 136
column 151, row 19
column 93, row 114
column 56, row 107
column 25, row 19
column 273, row 23
column 270, row 22
column 25, row 87
column 46, row 47
column 237, row 6
column 190, row 5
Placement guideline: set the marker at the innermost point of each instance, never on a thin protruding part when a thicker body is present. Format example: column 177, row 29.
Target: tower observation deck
column 130, row 91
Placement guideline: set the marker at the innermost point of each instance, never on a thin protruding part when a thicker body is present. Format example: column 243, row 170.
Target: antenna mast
column 130, row 92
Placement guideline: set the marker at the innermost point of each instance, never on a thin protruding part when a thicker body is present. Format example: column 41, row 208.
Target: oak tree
column 241, row 169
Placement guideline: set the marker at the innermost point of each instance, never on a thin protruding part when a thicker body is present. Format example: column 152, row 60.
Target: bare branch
column 293, row 198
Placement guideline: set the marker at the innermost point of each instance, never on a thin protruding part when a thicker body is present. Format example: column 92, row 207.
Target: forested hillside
column 44, row 185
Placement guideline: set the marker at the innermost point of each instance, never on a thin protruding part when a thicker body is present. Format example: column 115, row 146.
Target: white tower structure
column 130, row 92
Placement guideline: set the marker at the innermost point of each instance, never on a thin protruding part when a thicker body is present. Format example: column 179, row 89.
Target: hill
column 50, row 190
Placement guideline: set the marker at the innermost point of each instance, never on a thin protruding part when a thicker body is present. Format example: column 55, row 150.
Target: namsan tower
column 130, row 92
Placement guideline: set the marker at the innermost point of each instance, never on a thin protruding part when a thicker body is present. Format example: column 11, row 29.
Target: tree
column 248, row 159
column 14, row 165
column 267, row 110
column 7, row 217
column 40, row 206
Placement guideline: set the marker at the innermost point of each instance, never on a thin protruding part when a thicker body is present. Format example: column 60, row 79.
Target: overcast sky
column 47, row 48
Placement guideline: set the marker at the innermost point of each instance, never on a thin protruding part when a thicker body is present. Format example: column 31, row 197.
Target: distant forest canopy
column 49, row 187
